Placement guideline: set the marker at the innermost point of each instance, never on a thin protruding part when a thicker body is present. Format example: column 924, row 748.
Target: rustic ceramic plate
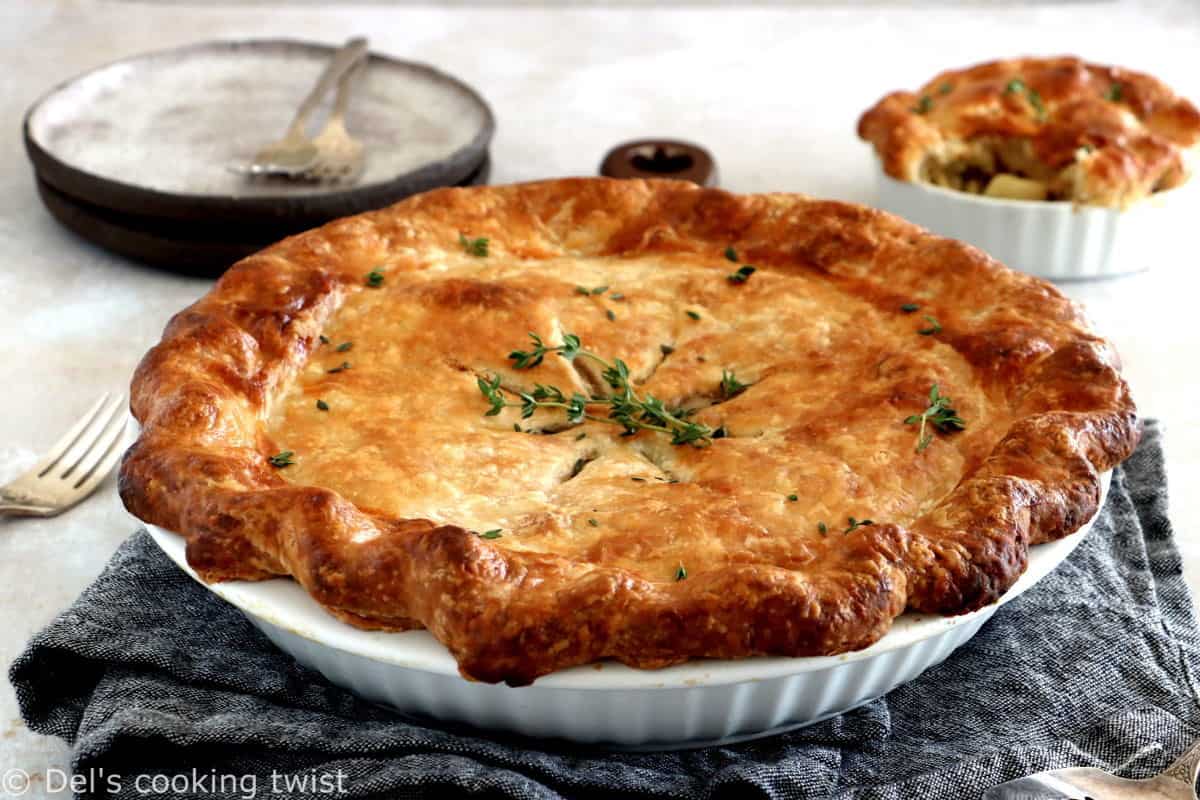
column 190, row 248
column 152, row 135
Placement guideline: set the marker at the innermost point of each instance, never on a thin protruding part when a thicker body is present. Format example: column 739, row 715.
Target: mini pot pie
column 639, row 420
column 1103, row 140
column 1039, row 129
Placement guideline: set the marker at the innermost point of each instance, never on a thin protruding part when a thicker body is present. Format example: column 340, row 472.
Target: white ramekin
column 689, row 705
column 1055, row 240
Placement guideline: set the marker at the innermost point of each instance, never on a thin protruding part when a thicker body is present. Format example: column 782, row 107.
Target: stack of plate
column 135, row 155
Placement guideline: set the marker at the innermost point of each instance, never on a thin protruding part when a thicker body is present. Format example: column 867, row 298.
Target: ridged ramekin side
column 1054, row 240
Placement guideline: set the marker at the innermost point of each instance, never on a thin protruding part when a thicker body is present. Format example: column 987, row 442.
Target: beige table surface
column 774, row 92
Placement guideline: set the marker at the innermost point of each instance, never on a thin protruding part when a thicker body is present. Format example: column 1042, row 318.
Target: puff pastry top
column 616, row 546
column 1088, row 133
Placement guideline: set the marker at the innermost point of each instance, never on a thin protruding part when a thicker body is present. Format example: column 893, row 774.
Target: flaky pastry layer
column 603, row 545
column 1092, row 134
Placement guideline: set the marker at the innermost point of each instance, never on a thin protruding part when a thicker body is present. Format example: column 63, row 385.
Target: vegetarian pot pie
column 1039, row 129
column 583, row 419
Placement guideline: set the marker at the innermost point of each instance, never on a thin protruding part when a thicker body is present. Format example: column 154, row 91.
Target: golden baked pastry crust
column 380, row 515
column 1094, row 134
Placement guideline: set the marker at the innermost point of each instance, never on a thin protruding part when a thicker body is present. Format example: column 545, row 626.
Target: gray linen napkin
column 154, row 679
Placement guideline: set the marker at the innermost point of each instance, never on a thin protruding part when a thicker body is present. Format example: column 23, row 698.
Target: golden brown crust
column 1098, row 135
column 953, row 523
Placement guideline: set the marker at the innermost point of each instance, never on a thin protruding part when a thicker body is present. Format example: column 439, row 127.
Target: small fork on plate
column 295, row 154
column 339, row 155
column 75, row 465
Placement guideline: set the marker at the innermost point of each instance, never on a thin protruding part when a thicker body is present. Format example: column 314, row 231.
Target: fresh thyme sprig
column 939, row 414
column 625, row 406
column 477, row 247
column 934, row 326
column 490, row 389
column 855, row 524
column 284, row 458
column 1035, row 99
column 528, row 359
column 730, row 385
column 1039, row 108
column 741, row 275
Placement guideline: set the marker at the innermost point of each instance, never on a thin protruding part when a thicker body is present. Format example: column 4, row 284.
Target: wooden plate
column 188, row 247
column 152, row 135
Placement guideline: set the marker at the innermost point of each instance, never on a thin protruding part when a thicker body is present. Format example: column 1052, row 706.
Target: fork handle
column 346, row 58
column 1186, row 766
column 12, row 506
column 14, row 510
column 15, row 505
column 342, row 99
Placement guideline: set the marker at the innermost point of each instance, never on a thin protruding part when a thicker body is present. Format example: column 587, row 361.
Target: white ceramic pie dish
column 688, row 705
column 1054, row 240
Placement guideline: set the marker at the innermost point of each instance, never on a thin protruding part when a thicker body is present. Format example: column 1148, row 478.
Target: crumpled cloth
column 153, row 679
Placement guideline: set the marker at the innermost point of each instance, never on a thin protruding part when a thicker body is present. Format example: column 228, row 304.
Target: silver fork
column 339, row 155
column 1176, row 782
column 295, row 153
column 75, row 465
